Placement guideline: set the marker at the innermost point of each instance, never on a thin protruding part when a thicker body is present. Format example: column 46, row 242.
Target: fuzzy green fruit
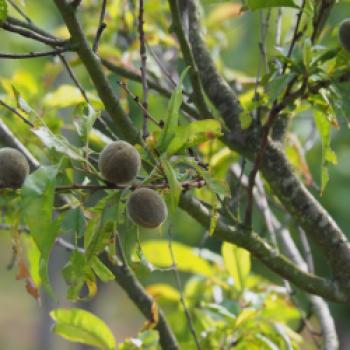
column 344, row 34
column 147, row 208
column 119, row 162
column 14, row 168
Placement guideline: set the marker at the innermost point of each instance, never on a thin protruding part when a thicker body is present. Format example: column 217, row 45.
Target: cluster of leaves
column 230, row 306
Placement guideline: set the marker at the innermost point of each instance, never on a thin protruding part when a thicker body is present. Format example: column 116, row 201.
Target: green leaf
column 81, row 326
column 328, row 156
column 172, row 119
column 175, row 188
column 78, row 273
column 37, row 209
column 259, row 4
column 160, row 290
column 3, row 10
column 193, row 134
column 101, row 270
column 237, row 262
column 74, row 221
column 214, row 216
column 108, row 209
column 277, row 85
column 85, row 122
column 59, row 143
column 68, row 96
column 187, row 260
column 33, row 256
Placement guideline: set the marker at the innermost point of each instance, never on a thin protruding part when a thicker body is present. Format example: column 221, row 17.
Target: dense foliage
column 203, row 139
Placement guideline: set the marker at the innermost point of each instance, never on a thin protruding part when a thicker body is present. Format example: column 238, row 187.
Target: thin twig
column 143, row 68
column 274, row 113
column 135, row 76
column 137, row 100
column 30, row 34
column 73, row 77
column 161, row 66
column 101, row 26
column 19, row 11
column 185, row 185
column 180, row 289
column 19, row 56
column 15, row 111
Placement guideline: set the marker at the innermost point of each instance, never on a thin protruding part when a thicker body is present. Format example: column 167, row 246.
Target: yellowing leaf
column 223, row 12
column 81, row 326
column 157, row 252
column 165, row 291
column 237, row 262
column 67, row 96
column 296, row 156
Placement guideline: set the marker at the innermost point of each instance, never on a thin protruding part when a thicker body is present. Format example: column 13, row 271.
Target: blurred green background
column 26, row 325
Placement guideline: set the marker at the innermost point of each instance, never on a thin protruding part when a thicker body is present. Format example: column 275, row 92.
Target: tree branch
column 126, row 278
column 189, row 59
column 30, row 34
column 101, row 26
column 305, row 209
column 265, row 253
column 16, row 112
column 19, row 56
column 93, row 66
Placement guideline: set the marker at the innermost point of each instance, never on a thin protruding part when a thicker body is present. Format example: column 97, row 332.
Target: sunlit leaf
column 81, row 326
column 187, row 259
column 175, row 187
column 193, row 134
column 165, row 291
column 237, row 262
column 259, row 4
column 328, row 156
column 171, row 122
column 68, row 96
column 101, row 270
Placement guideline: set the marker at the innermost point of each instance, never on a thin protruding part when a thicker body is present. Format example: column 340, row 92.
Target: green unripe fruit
column 14, row 168
column 147, row 208
column 344, row 34
column 119, row 162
